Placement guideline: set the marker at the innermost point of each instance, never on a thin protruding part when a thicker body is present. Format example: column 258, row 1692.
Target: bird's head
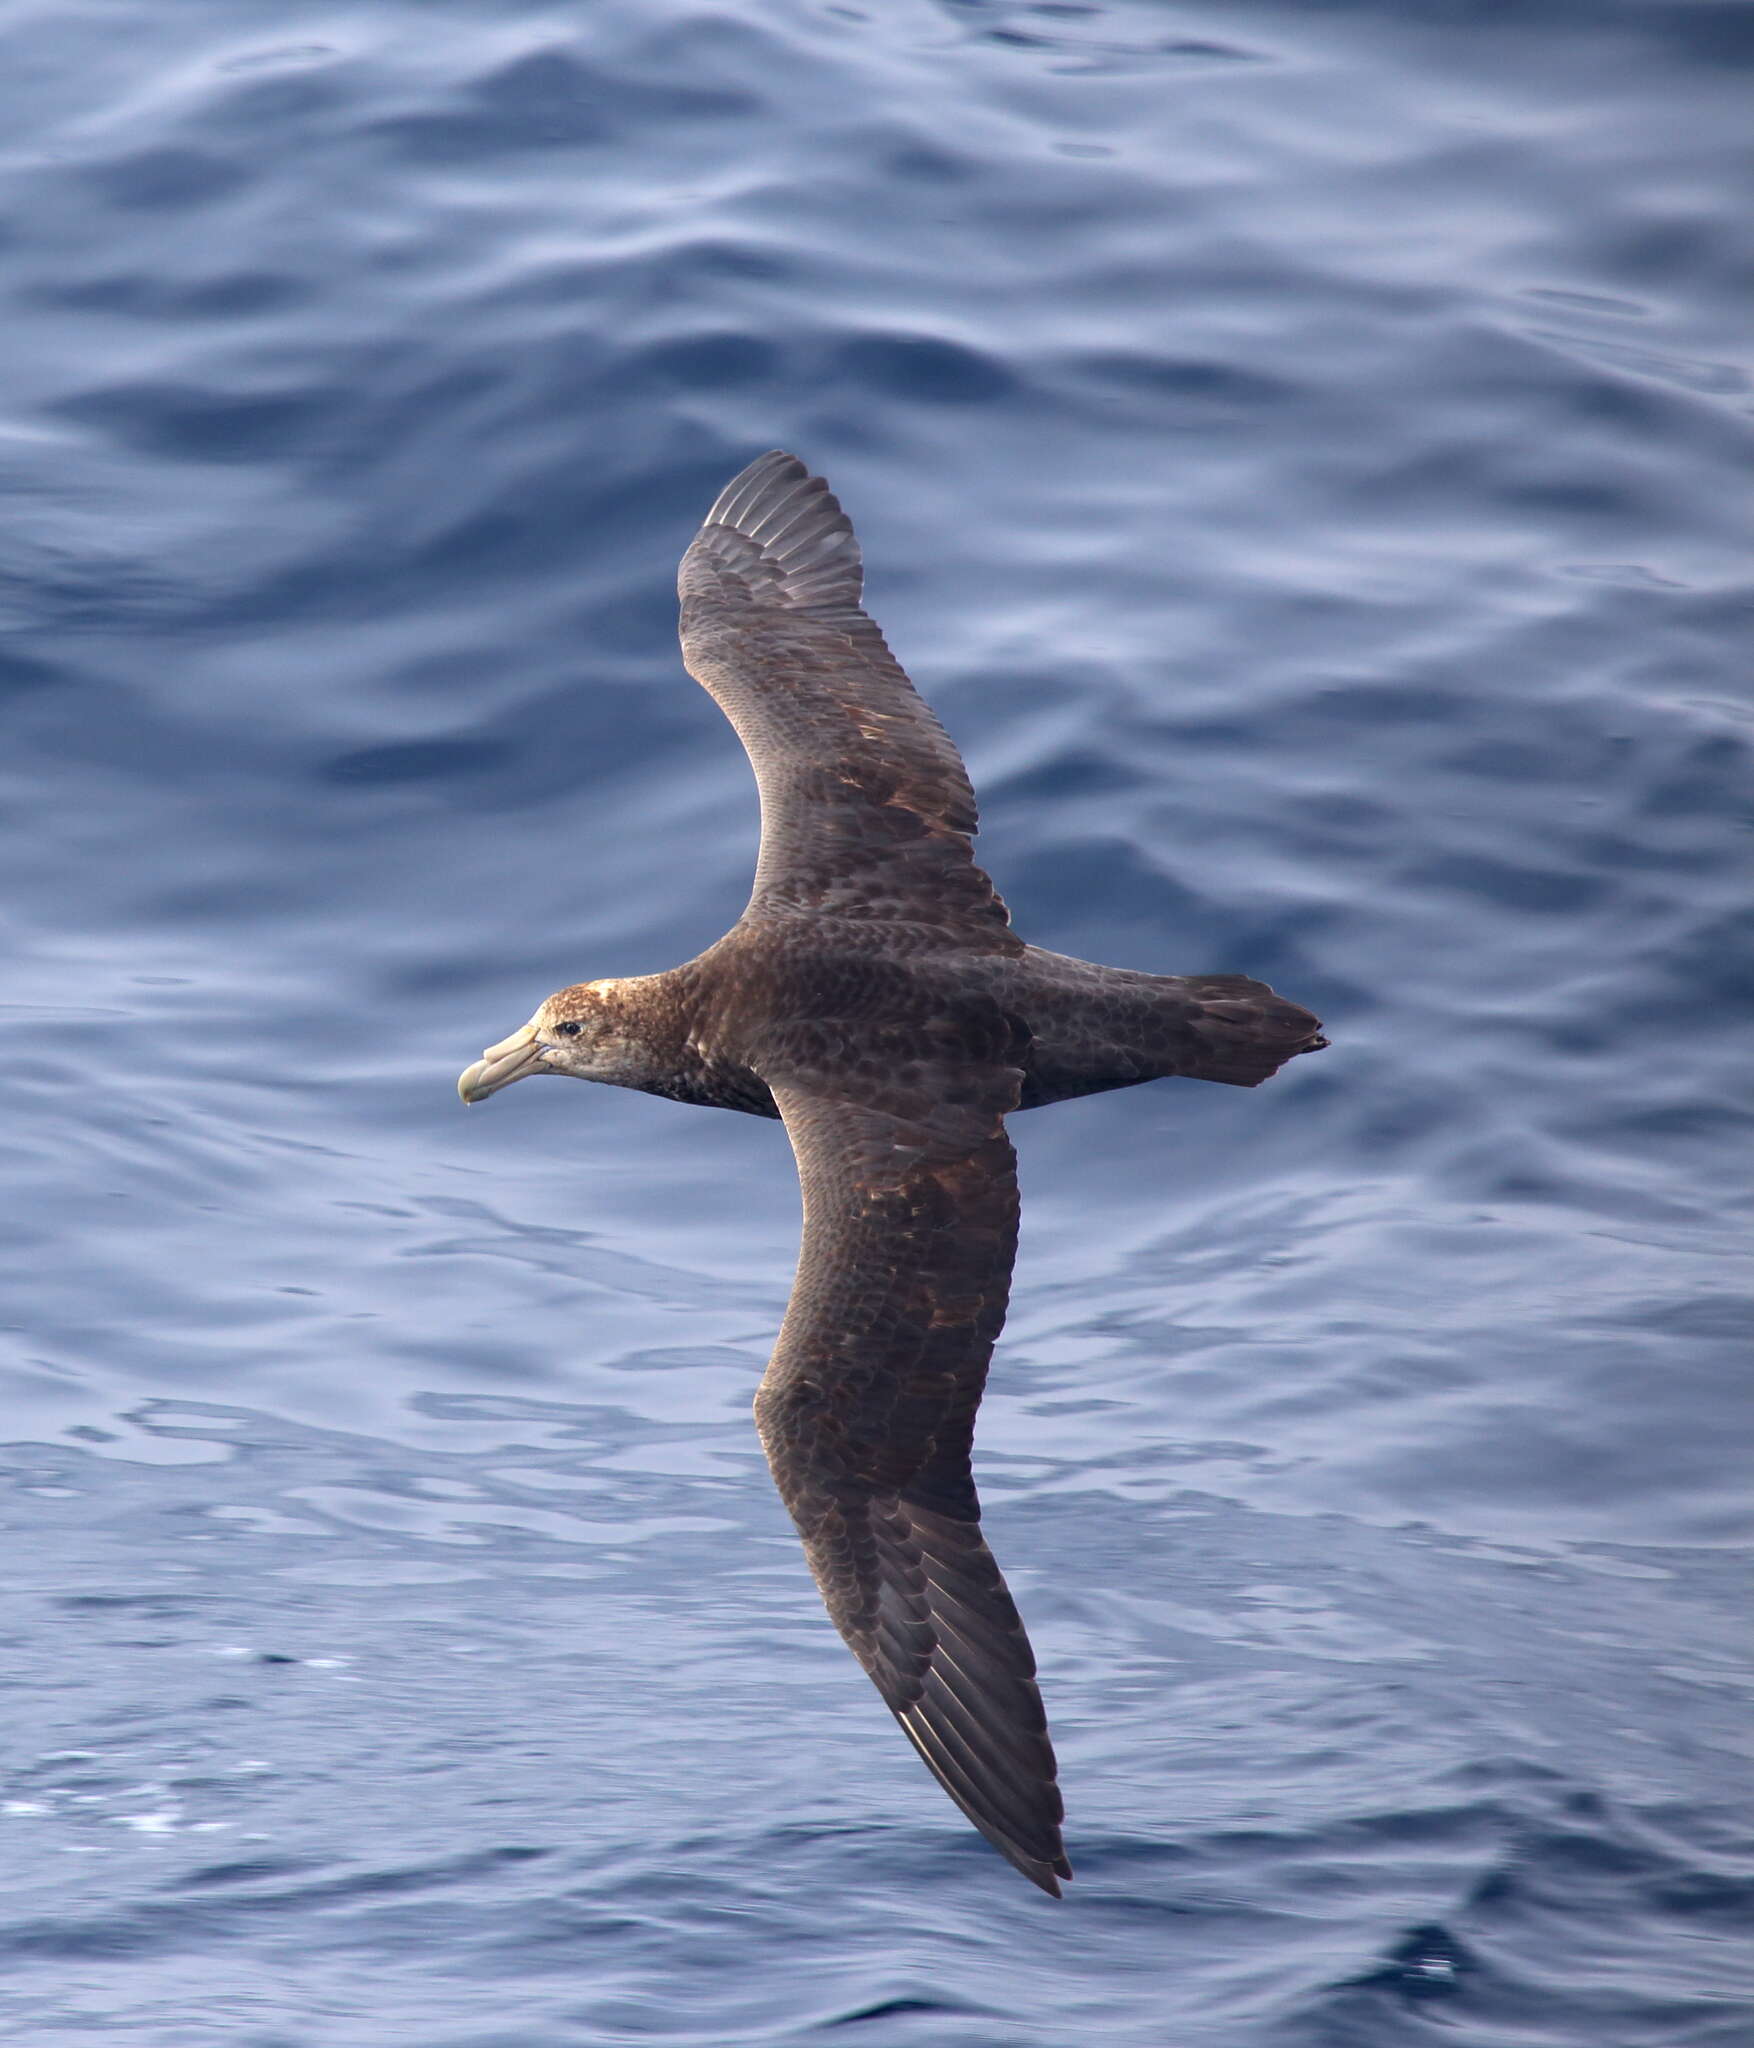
column 581, row 1031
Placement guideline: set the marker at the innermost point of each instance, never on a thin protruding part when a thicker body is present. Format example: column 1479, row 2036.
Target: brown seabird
column 874, row 996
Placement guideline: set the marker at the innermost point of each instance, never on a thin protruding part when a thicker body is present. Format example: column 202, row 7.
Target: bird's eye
column 570, row 1029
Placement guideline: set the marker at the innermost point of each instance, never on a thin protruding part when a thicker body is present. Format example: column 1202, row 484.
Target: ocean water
column 1304, row 453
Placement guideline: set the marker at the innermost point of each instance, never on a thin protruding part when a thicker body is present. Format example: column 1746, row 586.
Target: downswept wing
column 866, row 809
column 868, row 1405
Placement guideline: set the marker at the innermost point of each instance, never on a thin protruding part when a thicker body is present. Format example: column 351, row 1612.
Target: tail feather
column 1243, row 1033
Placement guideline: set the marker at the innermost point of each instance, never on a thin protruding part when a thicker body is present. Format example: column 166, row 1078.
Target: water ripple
column 1304, row 459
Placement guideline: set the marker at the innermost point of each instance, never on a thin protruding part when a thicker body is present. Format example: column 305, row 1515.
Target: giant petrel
column 874, row 996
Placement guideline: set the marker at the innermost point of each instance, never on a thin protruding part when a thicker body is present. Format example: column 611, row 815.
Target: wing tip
column 765, row 471
column 1044, row 1872
column 1045, row 1863
column 793, row 527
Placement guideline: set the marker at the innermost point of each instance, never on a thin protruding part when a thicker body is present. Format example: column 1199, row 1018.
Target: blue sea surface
column 1304, row 453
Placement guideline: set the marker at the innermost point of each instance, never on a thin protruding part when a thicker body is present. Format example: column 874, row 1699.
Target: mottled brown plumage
column 874, row 996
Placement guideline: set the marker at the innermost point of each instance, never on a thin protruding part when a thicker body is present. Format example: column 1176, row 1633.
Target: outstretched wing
column 867, row 1409
column 866, row 809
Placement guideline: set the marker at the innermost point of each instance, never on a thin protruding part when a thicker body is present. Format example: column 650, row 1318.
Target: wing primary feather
column 1002, row 1749
column 747, row 485
column 1040, row 1866
column 794, row 521
column 786, row 518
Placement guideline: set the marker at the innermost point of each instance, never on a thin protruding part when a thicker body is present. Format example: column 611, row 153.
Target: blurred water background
column 1304, row 454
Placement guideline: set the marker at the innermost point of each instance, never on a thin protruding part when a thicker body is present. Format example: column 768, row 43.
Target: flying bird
column 874, row 997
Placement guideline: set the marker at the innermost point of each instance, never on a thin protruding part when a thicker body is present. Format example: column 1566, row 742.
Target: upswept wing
column 866, row 809
column 868, row 1406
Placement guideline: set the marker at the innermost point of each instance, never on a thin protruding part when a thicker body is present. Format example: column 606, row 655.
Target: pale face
column 578, row 1032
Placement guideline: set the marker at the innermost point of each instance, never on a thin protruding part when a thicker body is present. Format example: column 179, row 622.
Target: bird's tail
column 1243, row 1033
